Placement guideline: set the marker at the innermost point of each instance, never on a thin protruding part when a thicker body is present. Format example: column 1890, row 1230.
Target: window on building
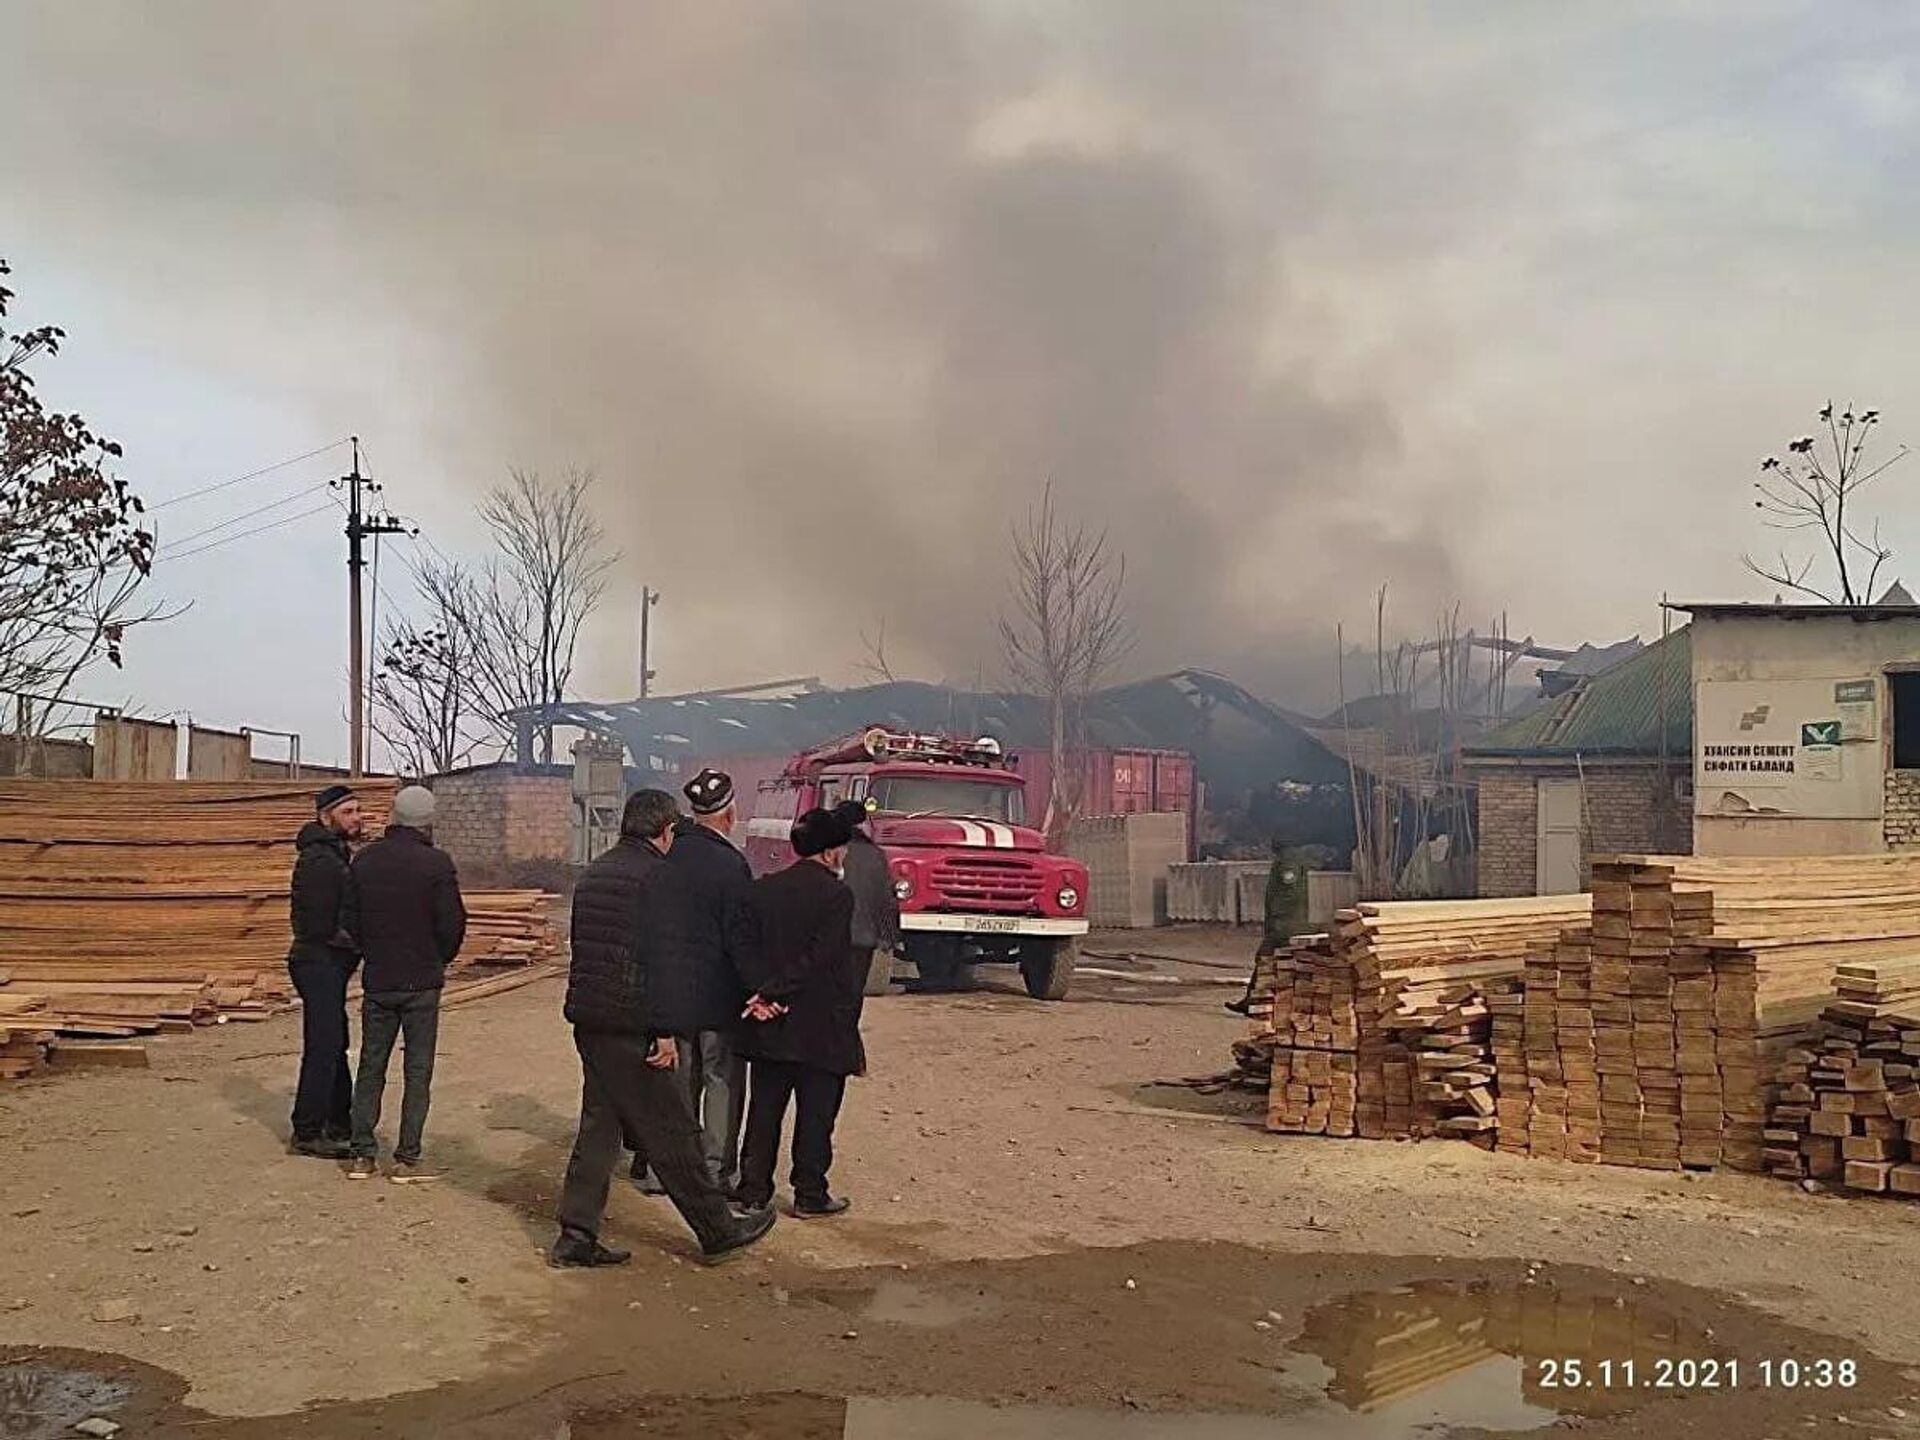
column 1903, row 691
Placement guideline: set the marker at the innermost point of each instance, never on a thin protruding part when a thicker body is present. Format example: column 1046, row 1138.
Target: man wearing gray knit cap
column 404, row 910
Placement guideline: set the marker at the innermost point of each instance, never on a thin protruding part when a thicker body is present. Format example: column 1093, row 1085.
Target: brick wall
column 1900, row 817
column 490, row 818
column 1626, row 808
column 1508, row 833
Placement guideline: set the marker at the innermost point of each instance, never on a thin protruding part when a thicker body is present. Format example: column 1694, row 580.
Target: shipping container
column 1117, row 782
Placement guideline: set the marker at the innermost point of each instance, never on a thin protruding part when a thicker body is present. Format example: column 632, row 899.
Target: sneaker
column 648, row 1183
column 748, row 1229
column 363, row 1169
column 319, row 1147
column 815, row 1209
column 410, row 1172
column 570, row 1254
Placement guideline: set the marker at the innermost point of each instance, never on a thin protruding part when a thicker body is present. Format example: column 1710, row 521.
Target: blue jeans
column 413, row 1016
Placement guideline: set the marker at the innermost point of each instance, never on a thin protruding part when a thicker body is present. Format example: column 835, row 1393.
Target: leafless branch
column 1066, row 630
column 1811, row 490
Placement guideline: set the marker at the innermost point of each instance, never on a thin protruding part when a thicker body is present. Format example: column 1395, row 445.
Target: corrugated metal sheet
column 1617, row 712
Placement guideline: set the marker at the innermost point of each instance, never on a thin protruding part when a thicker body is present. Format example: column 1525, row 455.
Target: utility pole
column 648, row 599
column 358, row 528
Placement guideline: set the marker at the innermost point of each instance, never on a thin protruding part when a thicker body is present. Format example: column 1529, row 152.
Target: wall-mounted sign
column 1785, row 747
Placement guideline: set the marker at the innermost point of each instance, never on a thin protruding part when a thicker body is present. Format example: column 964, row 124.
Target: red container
column 1117, row 782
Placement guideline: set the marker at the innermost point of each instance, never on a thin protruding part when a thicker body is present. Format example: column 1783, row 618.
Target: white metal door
column 1557, row 855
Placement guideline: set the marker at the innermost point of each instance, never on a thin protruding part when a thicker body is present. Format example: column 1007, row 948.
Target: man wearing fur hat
column 321, row 963
column 803, row 1019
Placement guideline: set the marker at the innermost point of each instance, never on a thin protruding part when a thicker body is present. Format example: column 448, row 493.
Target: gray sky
column 1497, row 303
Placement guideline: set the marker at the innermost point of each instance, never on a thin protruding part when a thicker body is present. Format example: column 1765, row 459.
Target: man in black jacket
column 321, row 963
column 803, row 1035
column 405, row 913
column 626, row 1000
column 720, row 886
column 876, row 909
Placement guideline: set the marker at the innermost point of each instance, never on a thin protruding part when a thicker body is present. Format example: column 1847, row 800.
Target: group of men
column 705, row 1004
column 395, row 908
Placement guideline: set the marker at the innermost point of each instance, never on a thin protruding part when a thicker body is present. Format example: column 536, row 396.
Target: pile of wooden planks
column 1847, row 1107
column 1381, row 1028
column 509, row 927
column 1650, row 1035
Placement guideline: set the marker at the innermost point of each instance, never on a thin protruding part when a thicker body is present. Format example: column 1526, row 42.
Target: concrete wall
column 218, row 754
column 1813, row 647
column 48, row 758
column 1127, row 859
column 494, row 817
column 128, row 749
column 1626, row 808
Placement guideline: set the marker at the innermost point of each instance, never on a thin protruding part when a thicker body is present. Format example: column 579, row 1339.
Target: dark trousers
column 715, row 1076
column 816, row 1095
column 323, row 1098
column 412, row 1016
column 622, row 1096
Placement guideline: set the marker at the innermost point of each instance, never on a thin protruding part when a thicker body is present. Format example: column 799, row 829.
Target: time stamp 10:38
column 1697, row 1374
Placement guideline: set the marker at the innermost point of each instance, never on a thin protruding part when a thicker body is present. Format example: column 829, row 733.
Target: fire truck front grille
column 988, row 882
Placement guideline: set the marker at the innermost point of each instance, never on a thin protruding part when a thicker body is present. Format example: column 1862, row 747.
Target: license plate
column 996, row 924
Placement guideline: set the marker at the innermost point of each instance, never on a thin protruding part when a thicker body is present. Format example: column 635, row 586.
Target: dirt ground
column 1036, row 1221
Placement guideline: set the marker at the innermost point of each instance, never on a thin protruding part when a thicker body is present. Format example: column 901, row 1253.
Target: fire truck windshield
column 937, row 795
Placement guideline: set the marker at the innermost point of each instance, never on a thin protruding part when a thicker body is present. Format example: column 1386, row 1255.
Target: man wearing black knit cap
column 321, row 962
column 803, row 1030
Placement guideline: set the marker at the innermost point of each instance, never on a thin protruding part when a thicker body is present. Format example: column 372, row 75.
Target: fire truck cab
column 975, row 883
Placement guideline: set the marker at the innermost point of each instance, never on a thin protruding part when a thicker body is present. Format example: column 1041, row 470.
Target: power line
column 250, row 475
column 244, row 515
column 243, row 535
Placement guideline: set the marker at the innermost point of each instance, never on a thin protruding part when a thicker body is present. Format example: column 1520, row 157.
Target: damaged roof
column 1621, row 711
column 1237, row 740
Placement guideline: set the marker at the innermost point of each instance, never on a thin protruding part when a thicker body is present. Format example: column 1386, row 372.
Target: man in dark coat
column 803, row 1030
column 321, row 963
column 720, row 886
column 405, row 913
column 626, row 1001
column 876, row 909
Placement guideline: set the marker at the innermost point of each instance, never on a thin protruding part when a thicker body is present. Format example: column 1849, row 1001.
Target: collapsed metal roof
column 1238, row 740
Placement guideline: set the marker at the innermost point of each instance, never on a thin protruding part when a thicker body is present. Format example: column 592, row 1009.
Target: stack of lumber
column 1847, row 1108
column 1253, row 1055
column 1512, row 1085
column 509, row 927
column 1419, row 970
column 131, row 909
column 1651, row 1035
column 1381, row 1028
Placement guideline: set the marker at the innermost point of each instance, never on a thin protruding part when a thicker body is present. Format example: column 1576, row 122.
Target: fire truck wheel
column 879, row 972
column 1048, row 968
column 937, row 960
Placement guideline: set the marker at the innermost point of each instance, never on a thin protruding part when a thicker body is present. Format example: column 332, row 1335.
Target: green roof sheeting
column 1617, row 712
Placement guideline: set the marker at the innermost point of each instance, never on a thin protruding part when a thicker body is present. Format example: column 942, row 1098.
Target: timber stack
column 1651, row 1035
column 1381, row 1029
column 134, row 909
column 1847, row 1109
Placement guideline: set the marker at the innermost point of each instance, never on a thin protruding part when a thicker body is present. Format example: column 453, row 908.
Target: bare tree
column 426, row 704
column 1067, row 630
column 1812, row 490
column 876, row 667
column 73, row 550
column 522, row 612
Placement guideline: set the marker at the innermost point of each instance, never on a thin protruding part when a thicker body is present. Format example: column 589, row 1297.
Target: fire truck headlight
column 903, row 889
column 1068, row 897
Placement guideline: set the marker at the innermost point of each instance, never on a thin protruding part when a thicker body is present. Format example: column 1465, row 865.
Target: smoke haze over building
column 1496, row 306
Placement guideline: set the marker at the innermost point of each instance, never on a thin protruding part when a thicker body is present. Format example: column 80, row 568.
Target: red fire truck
column 975, row 882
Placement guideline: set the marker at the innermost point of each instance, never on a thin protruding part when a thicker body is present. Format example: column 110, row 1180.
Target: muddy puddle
column 1201, row 1342
column 44, row 1401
